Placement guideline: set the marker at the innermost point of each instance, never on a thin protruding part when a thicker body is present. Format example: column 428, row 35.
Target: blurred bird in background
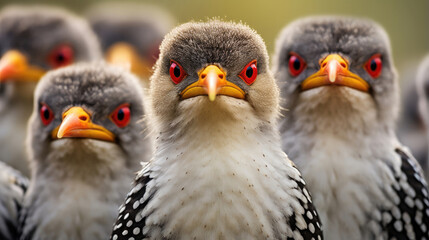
column 341, row 99
column 411, row 128
column 218, row 171
column 86, row 143
column 34, row 39
column 422, row 86
column 12, row 188
column 130, row 34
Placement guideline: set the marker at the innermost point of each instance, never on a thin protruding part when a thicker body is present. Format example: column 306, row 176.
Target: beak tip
column 212, row 97
column 62, row 130
column 60, row 134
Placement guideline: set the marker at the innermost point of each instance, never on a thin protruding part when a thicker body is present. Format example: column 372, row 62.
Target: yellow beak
column 77, row 124
column 14, row 66
column 212, row 82
column 334, row 70
column 126, row 56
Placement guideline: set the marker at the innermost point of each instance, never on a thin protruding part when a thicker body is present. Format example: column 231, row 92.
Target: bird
column 85, row 142
column 130, row 34
column 411, row 129
column 217, row 171
column 34, row 39
column 340, row 102
column 13, row 186
column 422, row 89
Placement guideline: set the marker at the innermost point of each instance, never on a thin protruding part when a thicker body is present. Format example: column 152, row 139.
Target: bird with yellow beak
column 341, row 100
column 86, row 141
column 33, row 40
column 130, row 34
column 218, row 171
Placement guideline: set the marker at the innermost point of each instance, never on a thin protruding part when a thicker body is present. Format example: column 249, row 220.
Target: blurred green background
column 407, row 22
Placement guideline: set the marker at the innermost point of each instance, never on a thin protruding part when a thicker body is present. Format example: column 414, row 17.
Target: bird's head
column 213, row 67
column 337, row 62
column 130, row 34
column 90, row 108
column 36, row 39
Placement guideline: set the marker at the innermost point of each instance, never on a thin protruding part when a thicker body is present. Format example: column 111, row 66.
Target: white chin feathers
column 201, row 106
column 75, row 149
column 336, row 106
column 336, row 96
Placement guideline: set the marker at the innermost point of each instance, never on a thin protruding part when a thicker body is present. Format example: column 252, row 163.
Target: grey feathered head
column 87, row 102
column 34, row 39
column 321, row 53
column 225, row 61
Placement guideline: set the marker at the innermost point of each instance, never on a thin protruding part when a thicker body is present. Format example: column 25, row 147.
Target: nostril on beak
column 343, row 65
column 220, row 76
column 83, row 118
column 324, row 65
column 203, row 75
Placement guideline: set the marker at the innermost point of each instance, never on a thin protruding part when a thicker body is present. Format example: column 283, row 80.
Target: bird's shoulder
column 15, row 177
column 408, row 218
column 13, row 186
column 131, row 221
column 312, row 225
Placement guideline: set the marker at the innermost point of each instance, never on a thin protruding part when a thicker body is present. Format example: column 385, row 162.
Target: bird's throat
column 80, row 158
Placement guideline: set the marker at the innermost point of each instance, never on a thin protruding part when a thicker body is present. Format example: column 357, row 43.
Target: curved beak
column 14, row 66
column 212, row 82
column 126, row 56
column 334, row 70
column 77, row 124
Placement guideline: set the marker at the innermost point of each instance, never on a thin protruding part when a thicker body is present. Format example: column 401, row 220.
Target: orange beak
column 212, row 82
column 334, row 70
column 126, row 56
column 77, row 124
column 14, row 66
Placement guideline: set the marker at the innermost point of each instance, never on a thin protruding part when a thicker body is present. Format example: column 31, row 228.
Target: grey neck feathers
column 75, row 183
column 350, row 117
column 85, row 160
column 16, row 105
column 215, row 124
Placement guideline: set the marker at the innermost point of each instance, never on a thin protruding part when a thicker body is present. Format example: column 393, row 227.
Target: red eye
column 374, row 66
column 249, row 72
column 61, row 56
column 296, row 64
column 177, row 73
column 46, row 114
column 121, row 116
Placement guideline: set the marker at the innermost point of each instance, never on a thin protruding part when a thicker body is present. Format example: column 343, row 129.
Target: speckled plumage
column 218, row 171
column 364, row 183
column 78, row 184
column 12, row 189
column 34, row 31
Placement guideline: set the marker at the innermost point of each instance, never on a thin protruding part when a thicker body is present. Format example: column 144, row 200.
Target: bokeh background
column 407, row 22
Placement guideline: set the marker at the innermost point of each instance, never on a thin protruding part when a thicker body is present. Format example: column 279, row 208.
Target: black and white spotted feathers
column 12, row 188
column 132, row 215
column 408, row 216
